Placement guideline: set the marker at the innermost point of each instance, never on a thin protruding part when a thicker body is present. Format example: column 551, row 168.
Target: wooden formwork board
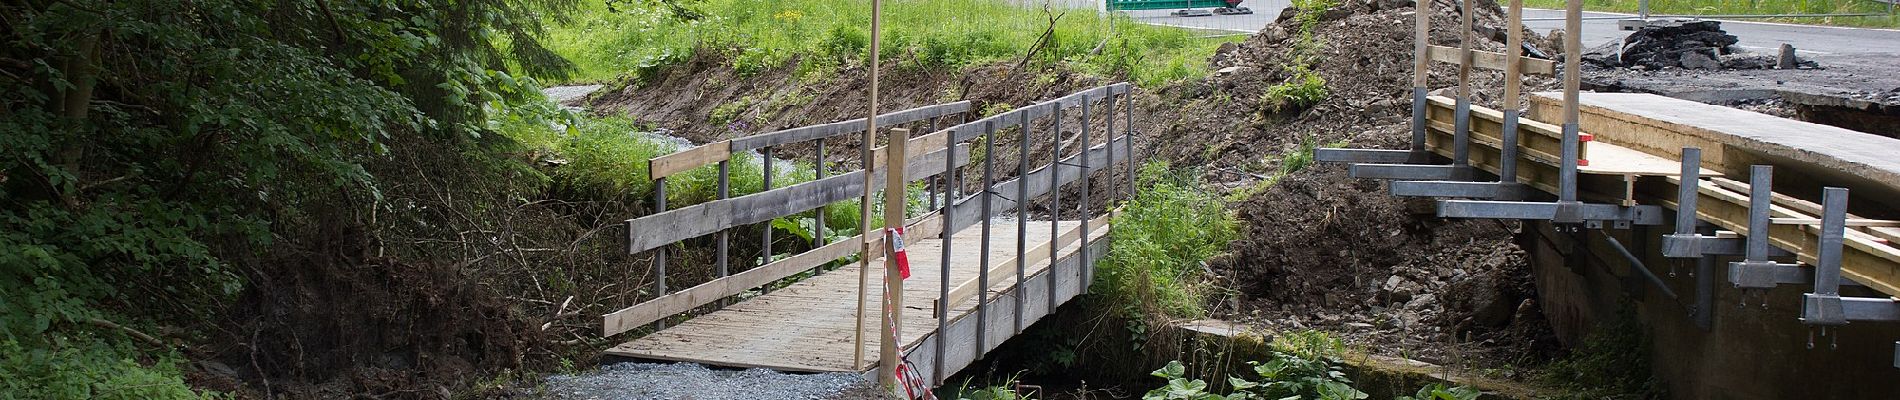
column 1611, row 175
column 1732, row 140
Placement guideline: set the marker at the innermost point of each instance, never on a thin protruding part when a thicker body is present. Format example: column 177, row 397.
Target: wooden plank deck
column 807, row 326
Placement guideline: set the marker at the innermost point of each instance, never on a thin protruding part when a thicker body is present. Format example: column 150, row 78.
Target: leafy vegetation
column 1750, row 7
column 159, row 154
column 1300, row 365
column 1303, row 87
column 1292, row 161
column 822, row 35
column 1161, row 237
column 1604, row 366
column 1438, row 391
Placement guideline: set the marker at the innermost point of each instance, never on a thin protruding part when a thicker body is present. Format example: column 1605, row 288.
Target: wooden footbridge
column 982, row 266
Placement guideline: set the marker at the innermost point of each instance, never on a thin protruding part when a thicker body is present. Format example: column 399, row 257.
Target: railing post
column 1083, row 240
column 948, row 214
column 725, row 235
column 983, row 263
column 765, row 249
column 818, row 217
column 1055, row 201
column 1022, row 216
column 1130, row 110
column 1109, row 143
column 933, row 190
column 659, row 254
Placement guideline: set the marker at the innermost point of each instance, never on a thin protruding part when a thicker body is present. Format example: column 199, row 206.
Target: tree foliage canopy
column 152, row 151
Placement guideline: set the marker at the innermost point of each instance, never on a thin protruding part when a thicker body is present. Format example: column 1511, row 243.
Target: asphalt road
column 1810, row 40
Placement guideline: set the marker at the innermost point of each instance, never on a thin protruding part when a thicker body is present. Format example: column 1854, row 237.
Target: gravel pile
column 696, row 382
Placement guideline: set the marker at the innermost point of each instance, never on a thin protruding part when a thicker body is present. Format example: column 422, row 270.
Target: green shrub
column 1304, row 89
column 1161, row 238
column 85, row 367
column 1301, row 365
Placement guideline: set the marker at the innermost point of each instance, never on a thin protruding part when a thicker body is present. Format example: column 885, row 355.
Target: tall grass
column 1161, row 238
column 759, row 34
column 1750, row 7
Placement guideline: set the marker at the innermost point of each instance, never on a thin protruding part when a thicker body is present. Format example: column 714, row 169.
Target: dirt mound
column 1323, row 251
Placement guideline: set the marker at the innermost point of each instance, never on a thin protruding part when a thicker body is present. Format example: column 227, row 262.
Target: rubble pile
column 1682, row 44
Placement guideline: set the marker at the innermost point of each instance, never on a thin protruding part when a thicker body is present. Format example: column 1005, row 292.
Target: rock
column 1688, row 44
column 1698, row 60
column 1273, row 34
column 1786, row 57
column 1392, row 4
column 1421, row 301
column 1228, row 70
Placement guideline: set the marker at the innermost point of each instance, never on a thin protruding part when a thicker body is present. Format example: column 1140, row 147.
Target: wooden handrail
column 1494, row 61
column 682, row 301
column 707, row 154
column 652, row 231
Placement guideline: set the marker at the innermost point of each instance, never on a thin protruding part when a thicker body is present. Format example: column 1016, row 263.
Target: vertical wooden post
column 1573, row 61
column 1513, row 84
column 725, row 235
column 1083, row 214
column 818, row 216
column 765, row 183
column 983, row 253
column 1022, row 216
column 659, row 254
column 1055, row 199
column 864, row 221
column 888, row 354
column 1422, row 67
column 864, row 203
column 1129, row 98
column 1461, row 130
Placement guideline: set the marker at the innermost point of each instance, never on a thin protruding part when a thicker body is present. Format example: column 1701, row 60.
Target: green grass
column 1749, row 7
column 1161, row 238
column 823, row 34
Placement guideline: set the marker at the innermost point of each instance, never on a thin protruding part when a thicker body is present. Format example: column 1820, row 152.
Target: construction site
column 990, row 199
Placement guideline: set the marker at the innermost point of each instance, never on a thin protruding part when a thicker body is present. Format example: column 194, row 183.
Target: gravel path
column 696, row 382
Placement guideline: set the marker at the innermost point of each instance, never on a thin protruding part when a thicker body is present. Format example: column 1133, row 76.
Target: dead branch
column 134, row 333
column 1043, row 41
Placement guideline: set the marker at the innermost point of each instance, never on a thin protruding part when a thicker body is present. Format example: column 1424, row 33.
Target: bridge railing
column 1074, row 154
column 1072, row 160
column 665, row 227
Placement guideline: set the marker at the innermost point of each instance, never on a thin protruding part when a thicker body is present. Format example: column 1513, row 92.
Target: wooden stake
column 864, row 204
column 1573, row 58
column 888, row 356
column 1422, row 60
column 1465, row 57
column 1513, row 56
